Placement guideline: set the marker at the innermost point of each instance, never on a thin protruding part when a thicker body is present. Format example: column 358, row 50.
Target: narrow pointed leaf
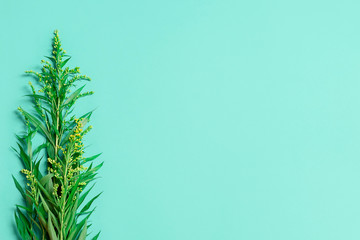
column 83, row 232
column 88, row 205
column 96, row 236
column 64, row 62
column 51, row 230
column 18, row 186
column 73, row 95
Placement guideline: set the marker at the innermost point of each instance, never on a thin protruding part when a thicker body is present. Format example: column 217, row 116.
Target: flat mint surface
column 218, row 120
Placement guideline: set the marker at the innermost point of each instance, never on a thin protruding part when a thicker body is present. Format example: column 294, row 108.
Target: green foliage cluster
column 54, row 199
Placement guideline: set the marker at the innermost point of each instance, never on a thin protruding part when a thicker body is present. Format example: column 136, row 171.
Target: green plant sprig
column 55, row 205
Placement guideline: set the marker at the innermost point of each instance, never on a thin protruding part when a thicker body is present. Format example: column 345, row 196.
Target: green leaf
column 51, row 230
column 44, row 204
column 87, row 115
column 37, row 96
column 41, row 215
column 25, row 225
column 88, row 159
column 18, row 186
column 96, row 236
column 37, row 170
column 64, row 62
column 50, row 151
column 25, row 208
column 97, row 167
column 39, row 148
column 73, row 191
column 24, row 157
column 51, row 58
column 83, row 195
column 46, row 179
column 75, row 231
column 83, row 232
column 20, row 226
column 29, row 200
column 73, row 95
column 71, row 213
column 46, row 193
column 39, row 125
column 56, row 131
column 23, row 217
column 88, row 205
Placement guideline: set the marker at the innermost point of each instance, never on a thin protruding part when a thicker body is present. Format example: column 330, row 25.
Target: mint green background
column 218, row 120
